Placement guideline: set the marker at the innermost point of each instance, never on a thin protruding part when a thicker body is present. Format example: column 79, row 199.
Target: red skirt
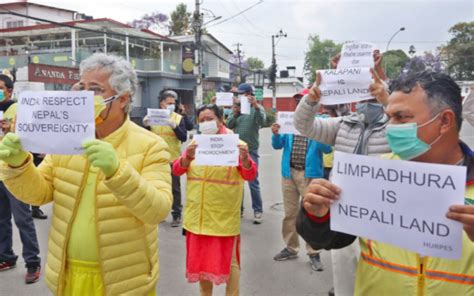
column 208, row 258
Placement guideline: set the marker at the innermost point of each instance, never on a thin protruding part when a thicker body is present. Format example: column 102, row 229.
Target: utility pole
column 197, row 25
column 273, row 70
column 240, row 62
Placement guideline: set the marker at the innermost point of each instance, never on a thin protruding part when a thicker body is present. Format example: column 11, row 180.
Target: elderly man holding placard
column 108, row 201
column 425, row 119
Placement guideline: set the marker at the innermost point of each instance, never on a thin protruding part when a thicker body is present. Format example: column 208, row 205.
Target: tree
column 459, row 52
column 156, row 22
column 319, row 55
column 180, row 21
column 255, row 64
column 393, row 62
column 428, row 61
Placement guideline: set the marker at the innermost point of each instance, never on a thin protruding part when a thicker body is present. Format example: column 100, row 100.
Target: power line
column 236, row 15
column 210, row 51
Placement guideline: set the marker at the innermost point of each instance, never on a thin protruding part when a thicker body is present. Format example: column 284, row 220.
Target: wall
column 37, row 11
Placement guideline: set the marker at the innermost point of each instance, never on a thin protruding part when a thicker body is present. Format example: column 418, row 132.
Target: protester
column 425, row 118
column 108, row 202
column 248, row 126
column 301, row 162
column 188, row 123
column 360, row 133
column 212, row 211
column 174, row 134
column 9, row 206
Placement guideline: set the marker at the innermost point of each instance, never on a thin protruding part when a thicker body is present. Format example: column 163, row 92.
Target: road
column 260, row 274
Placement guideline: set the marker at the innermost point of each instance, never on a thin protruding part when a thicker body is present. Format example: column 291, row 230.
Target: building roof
column 190, row 38
column 94, row 24
column 26, row 3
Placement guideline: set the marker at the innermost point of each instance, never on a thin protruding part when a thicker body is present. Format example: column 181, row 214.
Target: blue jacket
column 314, row 156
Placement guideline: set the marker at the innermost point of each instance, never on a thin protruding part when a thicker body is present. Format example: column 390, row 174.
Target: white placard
column 224, row 99
column 1, row 115
column 340, row 86
column 357, row 55
column 55, row 122
column 399, row 202
column 217, row 150
column 158, row 116
column 244, row 105
column 286, row 122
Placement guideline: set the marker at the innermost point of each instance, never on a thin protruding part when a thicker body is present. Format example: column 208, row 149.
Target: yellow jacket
column 129, row 207
column 385, row 267
column 169, row 136
column 213, row 198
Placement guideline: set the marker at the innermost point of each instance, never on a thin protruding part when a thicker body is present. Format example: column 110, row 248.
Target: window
column 14, row 24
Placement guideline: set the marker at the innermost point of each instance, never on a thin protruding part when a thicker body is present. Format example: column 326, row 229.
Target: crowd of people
column 108, row 201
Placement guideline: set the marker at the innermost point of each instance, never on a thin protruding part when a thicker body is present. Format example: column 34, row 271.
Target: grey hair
column 123, row 78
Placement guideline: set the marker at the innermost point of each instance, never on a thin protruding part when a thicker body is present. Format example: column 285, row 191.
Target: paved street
column 261, row 275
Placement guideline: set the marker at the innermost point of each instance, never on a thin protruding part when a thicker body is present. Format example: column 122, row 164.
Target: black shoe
column 285, row 254
column 176, row 222
column 38, row 214
column 315, row 261
column 32, row 274
column 331, row 292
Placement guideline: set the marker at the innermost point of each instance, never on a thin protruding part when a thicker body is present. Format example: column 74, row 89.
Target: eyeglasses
column 97, row 90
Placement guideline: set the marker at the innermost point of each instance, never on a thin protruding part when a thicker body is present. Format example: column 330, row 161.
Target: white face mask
column 208, row 127
column 171, row 108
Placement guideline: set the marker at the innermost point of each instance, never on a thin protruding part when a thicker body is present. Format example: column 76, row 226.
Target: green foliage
column 180, row 21
column 393, row 62
column 208, row 96
column 271, row 118
column 318, row 55
column 459, row 52
column 255, row 63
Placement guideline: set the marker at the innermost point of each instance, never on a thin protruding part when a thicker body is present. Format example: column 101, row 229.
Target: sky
column 426, row 22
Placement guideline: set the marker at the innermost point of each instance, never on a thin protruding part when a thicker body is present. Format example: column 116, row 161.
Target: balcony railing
column 65, row 59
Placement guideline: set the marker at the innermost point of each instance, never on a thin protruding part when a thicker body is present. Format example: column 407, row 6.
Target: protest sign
column 286, row 122
column 1, row 115
column 340, row 86
column 244, row 105
column 217, row 150
column 399, row 202
column 357, row 55
column 55, row 122
column 158, row 116
column 224, row 99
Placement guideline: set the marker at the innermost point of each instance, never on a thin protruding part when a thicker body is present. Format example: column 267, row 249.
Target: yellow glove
column 102, row 155
column 11, row 151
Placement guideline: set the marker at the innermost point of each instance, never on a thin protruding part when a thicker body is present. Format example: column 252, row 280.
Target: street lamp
column 258, row 78
column 395, row 34
column 259, row 82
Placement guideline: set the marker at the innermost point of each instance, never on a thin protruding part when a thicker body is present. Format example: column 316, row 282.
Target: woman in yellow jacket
column 108, row 202
column 212, row 210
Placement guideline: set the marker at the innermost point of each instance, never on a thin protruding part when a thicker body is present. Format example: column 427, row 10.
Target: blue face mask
column 227, row 112
column 371, row 111
column 404, row 142
column 2, row 95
